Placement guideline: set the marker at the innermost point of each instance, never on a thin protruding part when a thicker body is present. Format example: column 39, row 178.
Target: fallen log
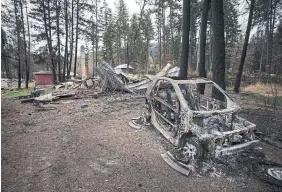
column 29, row 100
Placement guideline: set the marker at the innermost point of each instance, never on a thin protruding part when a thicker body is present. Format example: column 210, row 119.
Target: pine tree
column 203, row 34
column 148, row 35
column 58, row 11
column 174, row 19
column 29, row 42
column 10, row 47
column 231, row 28
column 218, row 46
column 4, row 43
column 183, row 73
column 159, row 6
column 134, row 37
column 121, row 30
column 18, row 24
column 277, row 49
column 66, row 38
column 244, row 51
column 97, row 30
column 108, row 46
column 43, row 12
column 193, row 32
column 83, row 7
column 25, row 46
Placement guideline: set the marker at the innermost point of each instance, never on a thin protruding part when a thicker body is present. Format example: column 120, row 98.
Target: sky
column 130, row 4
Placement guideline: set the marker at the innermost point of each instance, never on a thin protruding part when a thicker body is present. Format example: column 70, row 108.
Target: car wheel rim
column 189, row 150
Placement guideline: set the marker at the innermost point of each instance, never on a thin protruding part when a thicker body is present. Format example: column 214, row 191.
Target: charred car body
column 198, row 116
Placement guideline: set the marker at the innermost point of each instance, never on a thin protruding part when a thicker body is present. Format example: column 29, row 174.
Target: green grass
column 15, row 93
column 268, row 99
column 229, row 89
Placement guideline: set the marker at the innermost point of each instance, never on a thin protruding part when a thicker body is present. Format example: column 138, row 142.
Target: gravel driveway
column 94, row 149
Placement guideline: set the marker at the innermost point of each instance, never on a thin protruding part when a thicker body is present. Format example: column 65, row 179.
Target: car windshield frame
column 229, row 103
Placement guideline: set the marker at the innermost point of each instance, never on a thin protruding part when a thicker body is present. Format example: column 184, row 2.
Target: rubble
column 46, row 98
column 143, row 85
column 140, row 122
column 62, row 94
column 45, row 107
column 110, row 81
column 91, row 87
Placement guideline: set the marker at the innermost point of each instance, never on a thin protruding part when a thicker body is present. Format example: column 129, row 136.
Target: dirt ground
column 94, row 149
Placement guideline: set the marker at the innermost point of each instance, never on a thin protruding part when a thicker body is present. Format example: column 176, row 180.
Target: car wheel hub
column 189, row 150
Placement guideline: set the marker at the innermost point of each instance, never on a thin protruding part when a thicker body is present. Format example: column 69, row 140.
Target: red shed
column 43, row 78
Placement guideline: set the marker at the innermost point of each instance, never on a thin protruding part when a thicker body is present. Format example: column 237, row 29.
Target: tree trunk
column 53, row 66
column 218, row 47
column 210, row 50
column 93, row 50
column 179, row 45
column 19, row 46
column 262, row 55
column 147, row 55
column 28, row 69
column 272, row 26
column 6, row 66
column 245, row 47
column 183, row 73
column 71, row 43
column 267, row 31
column 49, row 39
column 164, row 34
column 76, row 38
column 58, row 7
column 160, row 47
column 192, row 45
column 96, row 35
column 66, row 40
column 25, row 52
column 203, row 37
column 171, row 36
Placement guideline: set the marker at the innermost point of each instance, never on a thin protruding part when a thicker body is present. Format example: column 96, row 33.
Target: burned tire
column 192, row 148
column 268, row 171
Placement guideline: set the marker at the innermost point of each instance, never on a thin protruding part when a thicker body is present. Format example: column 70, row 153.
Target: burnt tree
column 48, row 37
column 71, row 43
column 24, row 41
column 202, row 47
column 203, row 36
column 29, row 41
column 58, row 10
column 19, row 44
column 76, row 38
column 66, row 41
column 245, row 47
column 185, row 39
column 218, row 46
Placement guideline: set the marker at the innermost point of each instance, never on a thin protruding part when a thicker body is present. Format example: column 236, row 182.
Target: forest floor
column 94, row 149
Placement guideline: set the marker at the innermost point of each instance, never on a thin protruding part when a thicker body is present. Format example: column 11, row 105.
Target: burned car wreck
column 198, row 117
